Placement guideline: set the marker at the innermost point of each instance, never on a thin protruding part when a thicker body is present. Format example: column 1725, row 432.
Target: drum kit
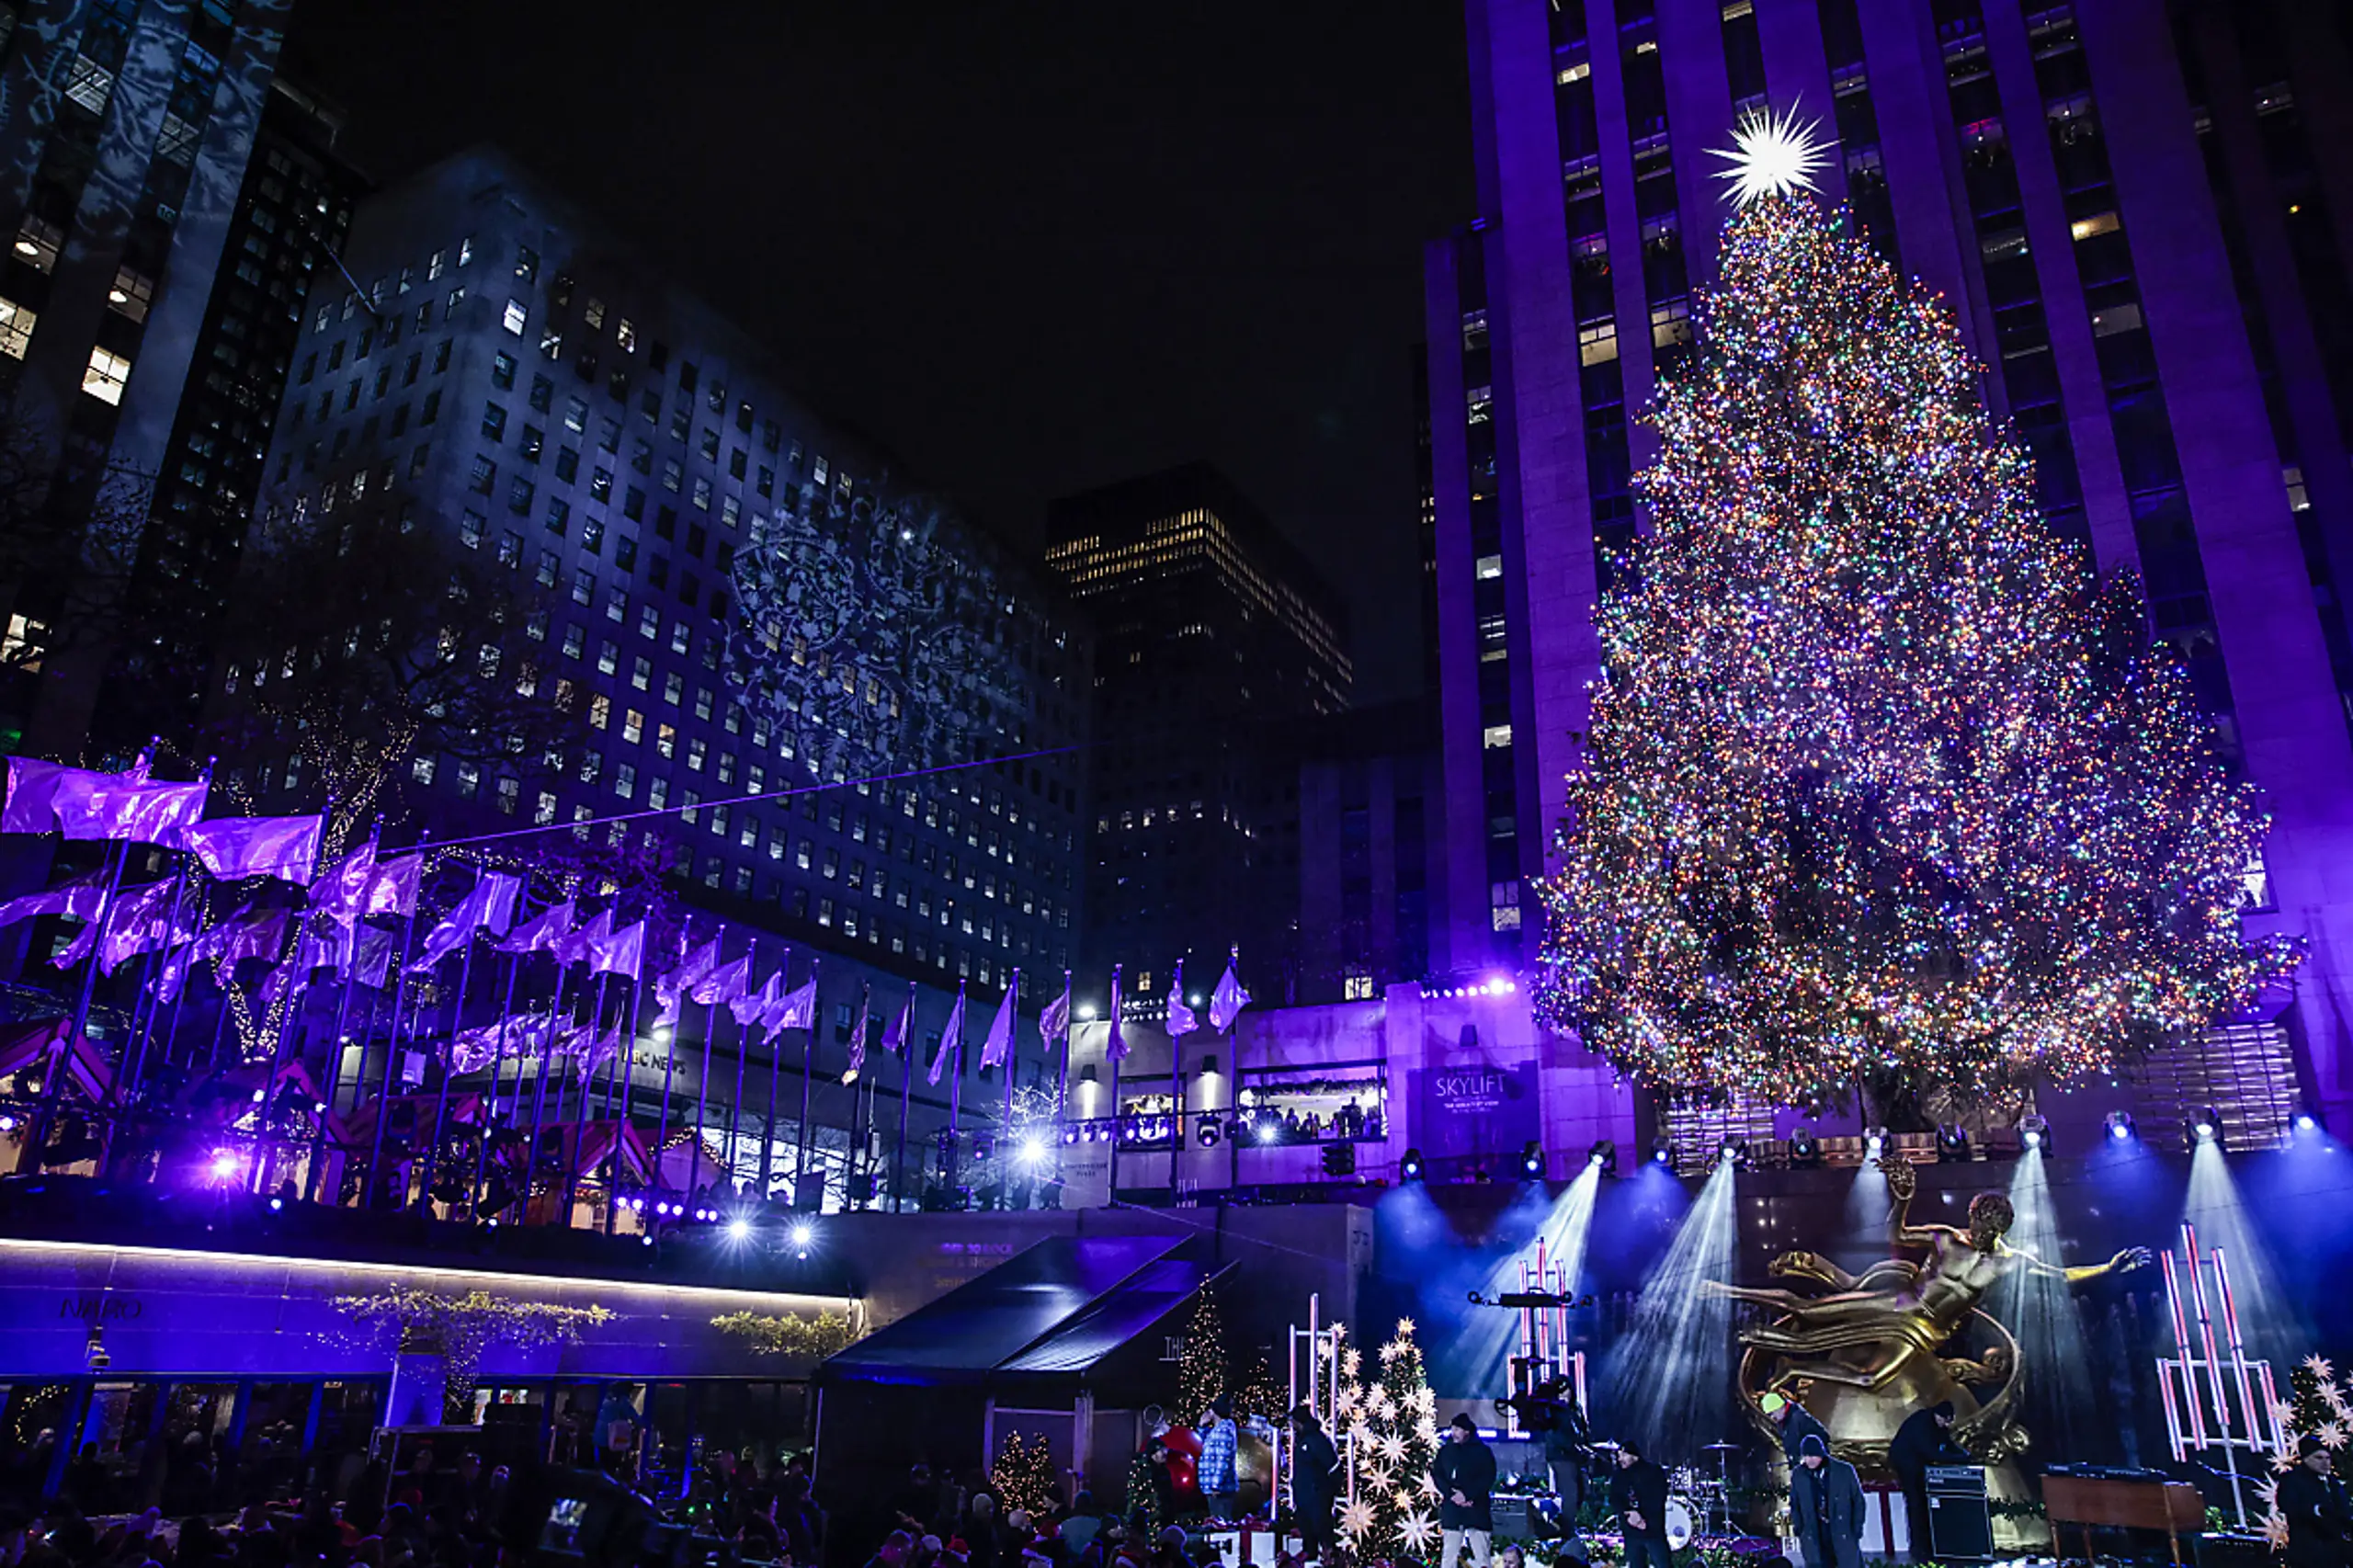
column 1698, row 1504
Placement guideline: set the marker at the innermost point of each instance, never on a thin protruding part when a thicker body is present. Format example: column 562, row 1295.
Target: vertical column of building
column 1918, row 153
column 2256, row 212
column 1449, row 267
column 1713, row 65
column 1796, row 72
column 1547, row 556
column 1853, row 118
column 2288, row 717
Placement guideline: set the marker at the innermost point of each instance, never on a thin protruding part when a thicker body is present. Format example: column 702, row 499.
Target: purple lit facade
column 2142, row 216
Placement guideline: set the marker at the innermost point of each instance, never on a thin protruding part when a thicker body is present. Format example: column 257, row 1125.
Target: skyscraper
column 125, row 133
column 491, row 364
column 1213, row 637
column 2140, row 213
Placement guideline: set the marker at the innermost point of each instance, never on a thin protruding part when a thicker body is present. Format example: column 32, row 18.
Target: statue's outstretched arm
column 1903, row 1184
column 2123, row 1262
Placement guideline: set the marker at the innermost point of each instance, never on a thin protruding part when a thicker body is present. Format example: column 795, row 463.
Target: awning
column 1060, row 1308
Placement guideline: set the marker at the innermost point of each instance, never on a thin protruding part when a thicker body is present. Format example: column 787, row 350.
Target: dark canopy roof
column 1060, row 1308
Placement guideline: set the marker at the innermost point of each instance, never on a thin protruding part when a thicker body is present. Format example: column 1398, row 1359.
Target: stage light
column 2120, row 1128
column 2206, row 1127
column 2305, row 1121
column 7, row 1123
column 1733, row 1150
column 1804, row 1150
column 983, row 1147
column 1070, row 1136
column 646, row 1240
column 1087, row 1012
column 2034, row 1134
column 277, row 1204
column 1410, row 1167
column 1206, row 1132
column 1874, row 1142
column 1033, row 1149
column 224, row 1164
column 803, row 1234
column 1531, row 1160
column 1662, row 1151
column 1604, row 1154
column 739, row 1230
column 1269, row 1129
column 1952, row 1142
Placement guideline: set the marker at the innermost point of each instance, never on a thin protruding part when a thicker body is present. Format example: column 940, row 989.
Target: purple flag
column 542, row 932
column 758, row 1006
column 797, row 1009
column 898, row 1030
column 40, row 793
column 491, row 904
column 575, row 946
column 392, row 886
column 78, row 896
column 1180, row 1020
column 999, row 1043
column 340, row 893
column 725, row 983
column 619, row 952
column 671, row 989
column 284, row 847
column 118, row 806
column 1053, row 1023
column 250, row 934
column 857, row 1033
column 140, row 921
column 377, row 951
column 1115, row 1045
column 951, row 1038
column 1228, row 1000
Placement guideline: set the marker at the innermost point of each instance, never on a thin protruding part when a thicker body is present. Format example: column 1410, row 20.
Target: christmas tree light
column 1880, row 778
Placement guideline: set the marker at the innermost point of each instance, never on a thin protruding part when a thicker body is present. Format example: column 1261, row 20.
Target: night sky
column 1029, row 247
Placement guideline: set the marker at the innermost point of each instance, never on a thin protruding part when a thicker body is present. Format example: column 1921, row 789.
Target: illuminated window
column 518, row 316
column 2097, row 224
column 105, row 378
column 17, row 326
column 1490, row 567
column 1598, row 343
column 131, row 294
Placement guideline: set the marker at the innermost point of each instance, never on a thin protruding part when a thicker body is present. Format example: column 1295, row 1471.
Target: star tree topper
column 1772, row 155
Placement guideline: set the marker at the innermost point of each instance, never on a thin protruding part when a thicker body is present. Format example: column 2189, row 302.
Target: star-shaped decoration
column 2331, row 1436
column 2283, row 1461
column 1405, row 1328
column 1771, row 154
column 2319, row 1366
column 1426, row 1429
column 1418, row 1530
column 2266, row 1492
column 1351, row 1363
column 2275, row 1530
column 1394, row 1348
column 2283, row 1413
column 1393, row 1449
column 1356, row 1518
column 1426, row 1397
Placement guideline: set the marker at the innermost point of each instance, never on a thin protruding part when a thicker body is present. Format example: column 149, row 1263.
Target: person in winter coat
column 1826, row 1507
column 2313, row 1501
column 1464, row 1469
column 1314, row 1481
column 1639, row 1494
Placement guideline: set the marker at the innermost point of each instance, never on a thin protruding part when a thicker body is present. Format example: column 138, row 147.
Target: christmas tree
column 1023, row 1476
column 2318, row 1406
column 1879, row 778
column 1201, row 1366
column 1388, row 1429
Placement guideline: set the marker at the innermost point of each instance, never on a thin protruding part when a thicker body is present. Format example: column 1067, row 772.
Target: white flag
column 951, row 1038
column 999, row 1044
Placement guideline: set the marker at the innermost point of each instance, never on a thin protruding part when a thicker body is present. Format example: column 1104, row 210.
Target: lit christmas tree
column 2318, row 1406
column 1878, row 778
column 1201, row 1366
column 1387, row 1430
column 1024, row 1473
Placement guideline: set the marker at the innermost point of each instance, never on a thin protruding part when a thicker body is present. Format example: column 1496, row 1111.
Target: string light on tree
column 1880, row 778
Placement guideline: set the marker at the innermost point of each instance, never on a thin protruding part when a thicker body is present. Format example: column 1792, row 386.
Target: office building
column 1213, row 640
column 2140, row 213
column 1369, row 866
column 125, row 130
column 504, row 372
column 290, row 218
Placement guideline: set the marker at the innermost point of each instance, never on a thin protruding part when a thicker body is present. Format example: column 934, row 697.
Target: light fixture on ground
column 1663, row 1151
column 1603, row 1156
column 1733, row 1150
column 1805, row 1150
column 1531, row 1160
column 1953, row 1142
column 2121, row 1128
column 2304, row 1123
column 1410, row 1167
column 2206, row 1127
column 2034, row 1134
column 1874, row 1142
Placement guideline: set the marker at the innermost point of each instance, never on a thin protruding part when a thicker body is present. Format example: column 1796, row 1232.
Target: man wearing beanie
column 1825, row 1508
column 2312, row 1499
column 1923, row 1440
column 1464, row 1471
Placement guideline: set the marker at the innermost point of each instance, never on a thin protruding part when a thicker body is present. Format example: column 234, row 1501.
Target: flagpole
column 669, row 1068
column 953, row 1162
column 1012, row 1062
column 587, row 1099
column 860, row 1097
column 736, row 1107
column 628, row 1053
column 540, row 1085
column 1176, row 1081
column 448, row 1071
column 297, row 982
column 391, row 1036
column 341, row 1020
column 808, row 1067
column 171, row 929
column 702, row 1076
column 1062, row 1085
column 767, row 1143
column 53, row 1081
column 498, row 1070
column 906, row 1094
column 1117, row 1123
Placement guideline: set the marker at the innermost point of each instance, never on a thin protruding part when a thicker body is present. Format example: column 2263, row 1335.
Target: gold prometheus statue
column 1861, row 1352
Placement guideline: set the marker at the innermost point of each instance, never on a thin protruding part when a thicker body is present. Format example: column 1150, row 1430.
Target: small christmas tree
column 1144, row 1492
column 1024, row 1473
column 1389, row 1429
column 1259, row 1395
column 1201, row 1367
